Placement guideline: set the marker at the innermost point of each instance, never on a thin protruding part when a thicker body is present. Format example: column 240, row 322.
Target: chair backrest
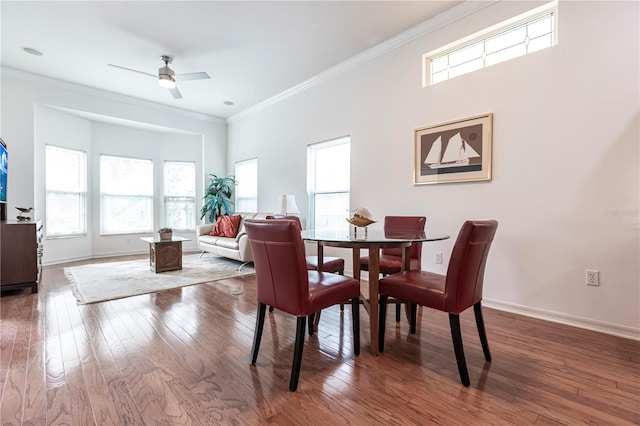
column 286, row 217
column 465, row 274
column 405, row 223
column 281, row 268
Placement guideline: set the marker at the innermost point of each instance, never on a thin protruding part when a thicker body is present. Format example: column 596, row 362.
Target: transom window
column 328, row 183
column 126, row 195
column 527, row 33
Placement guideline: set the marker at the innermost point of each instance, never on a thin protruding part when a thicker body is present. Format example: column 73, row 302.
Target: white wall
column 25, row 96
column 565, row 186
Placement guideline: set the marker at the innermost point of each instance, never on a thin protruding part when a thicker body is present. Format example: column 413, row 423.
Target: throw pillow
column 226, row 226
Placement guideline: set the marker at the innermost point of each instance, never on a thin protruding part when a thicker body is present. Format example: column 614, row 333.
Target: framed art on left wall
column 455, row 151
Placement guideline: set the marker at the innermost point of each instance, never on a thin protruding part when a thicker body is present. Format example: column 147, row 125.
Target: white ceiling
column 253, row 50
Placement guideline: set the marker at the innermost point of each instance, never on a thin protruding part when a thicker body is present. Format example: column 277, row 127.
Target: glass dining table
column 372, row 240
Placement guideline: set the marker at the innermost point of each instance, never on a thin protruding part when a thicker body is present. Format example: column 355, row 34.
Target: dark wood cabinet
column 20, row 254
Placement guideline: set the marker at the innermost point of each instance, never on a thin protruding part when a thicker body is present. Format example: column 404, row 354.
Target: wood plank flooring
column 181, row 356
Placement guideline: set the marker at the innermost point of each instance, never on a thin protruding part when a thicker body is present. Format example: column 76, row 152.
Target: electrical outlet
column 438, row 257
column 593, row 277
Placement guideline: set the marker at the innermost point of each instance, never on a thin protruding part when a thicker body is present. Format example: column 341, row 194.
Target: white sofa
column 233, row 248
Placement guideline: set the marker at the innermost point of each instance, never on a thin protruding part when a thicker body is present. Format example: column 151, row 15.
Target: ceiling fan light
column 166, row 81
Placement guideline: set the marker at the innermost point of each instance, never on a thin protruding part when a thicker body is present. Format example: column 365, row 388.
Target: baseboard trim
column 561, row 318
column 107, row 255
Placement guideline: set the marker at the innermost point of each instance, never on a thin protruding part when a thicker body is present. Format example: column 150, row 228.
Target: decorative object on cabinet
column 24, row 211
column 456, row 151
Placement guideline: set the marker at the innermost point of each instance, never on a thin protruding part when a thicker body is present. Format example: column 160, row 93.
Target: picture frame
column 455, row 151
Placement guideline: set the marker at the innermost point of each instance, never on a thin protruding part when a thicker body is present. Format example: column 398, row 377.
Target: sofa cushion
column 226, row 226
column 229, row 243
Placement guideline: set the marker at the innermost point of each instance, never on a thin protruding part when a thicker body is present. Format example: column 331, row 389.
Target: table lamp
column 287, row 205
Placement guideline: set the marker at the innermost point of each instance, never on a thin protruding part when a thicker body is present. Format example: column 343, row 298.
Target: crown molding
column 445, row 18
column 99, row 93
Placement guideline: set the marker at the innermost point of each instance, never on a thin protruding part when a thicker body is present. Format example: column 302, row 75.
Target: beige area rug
column 114, row 280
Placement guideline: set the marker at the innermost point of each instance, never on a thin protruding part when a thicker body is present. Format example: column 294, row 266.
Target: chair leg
column 257, row 335
column 413, row 307
column 382, row 321
column 342, row 304
column 397, row 312
column 312, row 317
column 456, row 336
column 297, row 354
column 355, row 319
column 477, row 309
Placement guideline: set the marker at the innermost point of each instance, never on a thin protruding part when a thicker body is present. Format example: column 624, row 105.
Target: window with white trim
column 527, row 33
column 126, row 195
column 66, row 192
column 180, row 195
column 246, row 173
column 328, row 183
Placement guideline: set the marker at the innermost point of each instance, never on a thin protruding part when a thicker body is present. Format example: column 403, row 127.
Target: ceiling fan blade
column 175, row 93
column 130, row 69
column 192, row 76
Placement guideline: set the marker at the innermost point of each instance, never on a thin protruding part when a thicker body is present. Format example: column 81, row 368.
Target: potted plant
column 165, row 233
column 217, row 198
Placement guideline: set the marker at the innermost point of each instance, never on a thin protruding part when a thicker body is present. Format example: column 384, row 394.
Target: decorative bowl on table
column 361, row 218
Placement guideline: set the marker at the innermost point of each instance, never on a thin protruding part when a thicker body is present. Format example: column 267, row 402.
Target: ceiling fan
column 167, row 77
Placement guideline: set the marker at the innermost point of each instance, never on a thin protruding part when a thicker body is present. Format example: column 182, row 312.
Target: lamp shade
column 287, row 204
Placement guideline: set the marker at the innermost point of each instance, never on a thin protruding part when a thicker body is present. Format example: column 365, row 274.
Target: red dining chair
column 391, row 258
column 334, row 265
column 331, row 264
column 284, row 282
column 453, row 293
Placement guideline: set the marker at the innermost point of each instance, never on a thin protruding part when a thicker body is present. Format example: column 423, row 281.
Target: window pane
column 505, row 55
column 539, row 43
column 467, row 54
column 126, row 214
column 541, row 27
column 332, row 168
column 506, row 39
column 180, row 179
column 126, row 176
column 65, row 214
column 331, row 210
column 439, row 64
column 179, row 212
column 465, row 68
column 65, row 169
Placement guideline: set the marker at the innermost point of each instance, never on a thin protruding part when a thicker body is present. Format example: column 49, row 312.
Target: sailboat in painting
column 457, row 153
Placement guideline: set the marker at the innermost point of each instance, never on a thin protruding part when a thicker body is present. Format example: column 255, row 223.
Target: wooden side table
column 165, row 255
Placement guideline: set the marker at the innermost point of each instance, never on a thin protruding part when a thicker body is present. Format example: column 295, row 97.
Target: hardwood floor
column 181, row 356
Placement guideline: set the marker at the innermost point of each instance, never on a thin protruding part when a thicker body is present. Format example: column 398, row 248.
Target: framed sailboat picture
column 456, row 151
